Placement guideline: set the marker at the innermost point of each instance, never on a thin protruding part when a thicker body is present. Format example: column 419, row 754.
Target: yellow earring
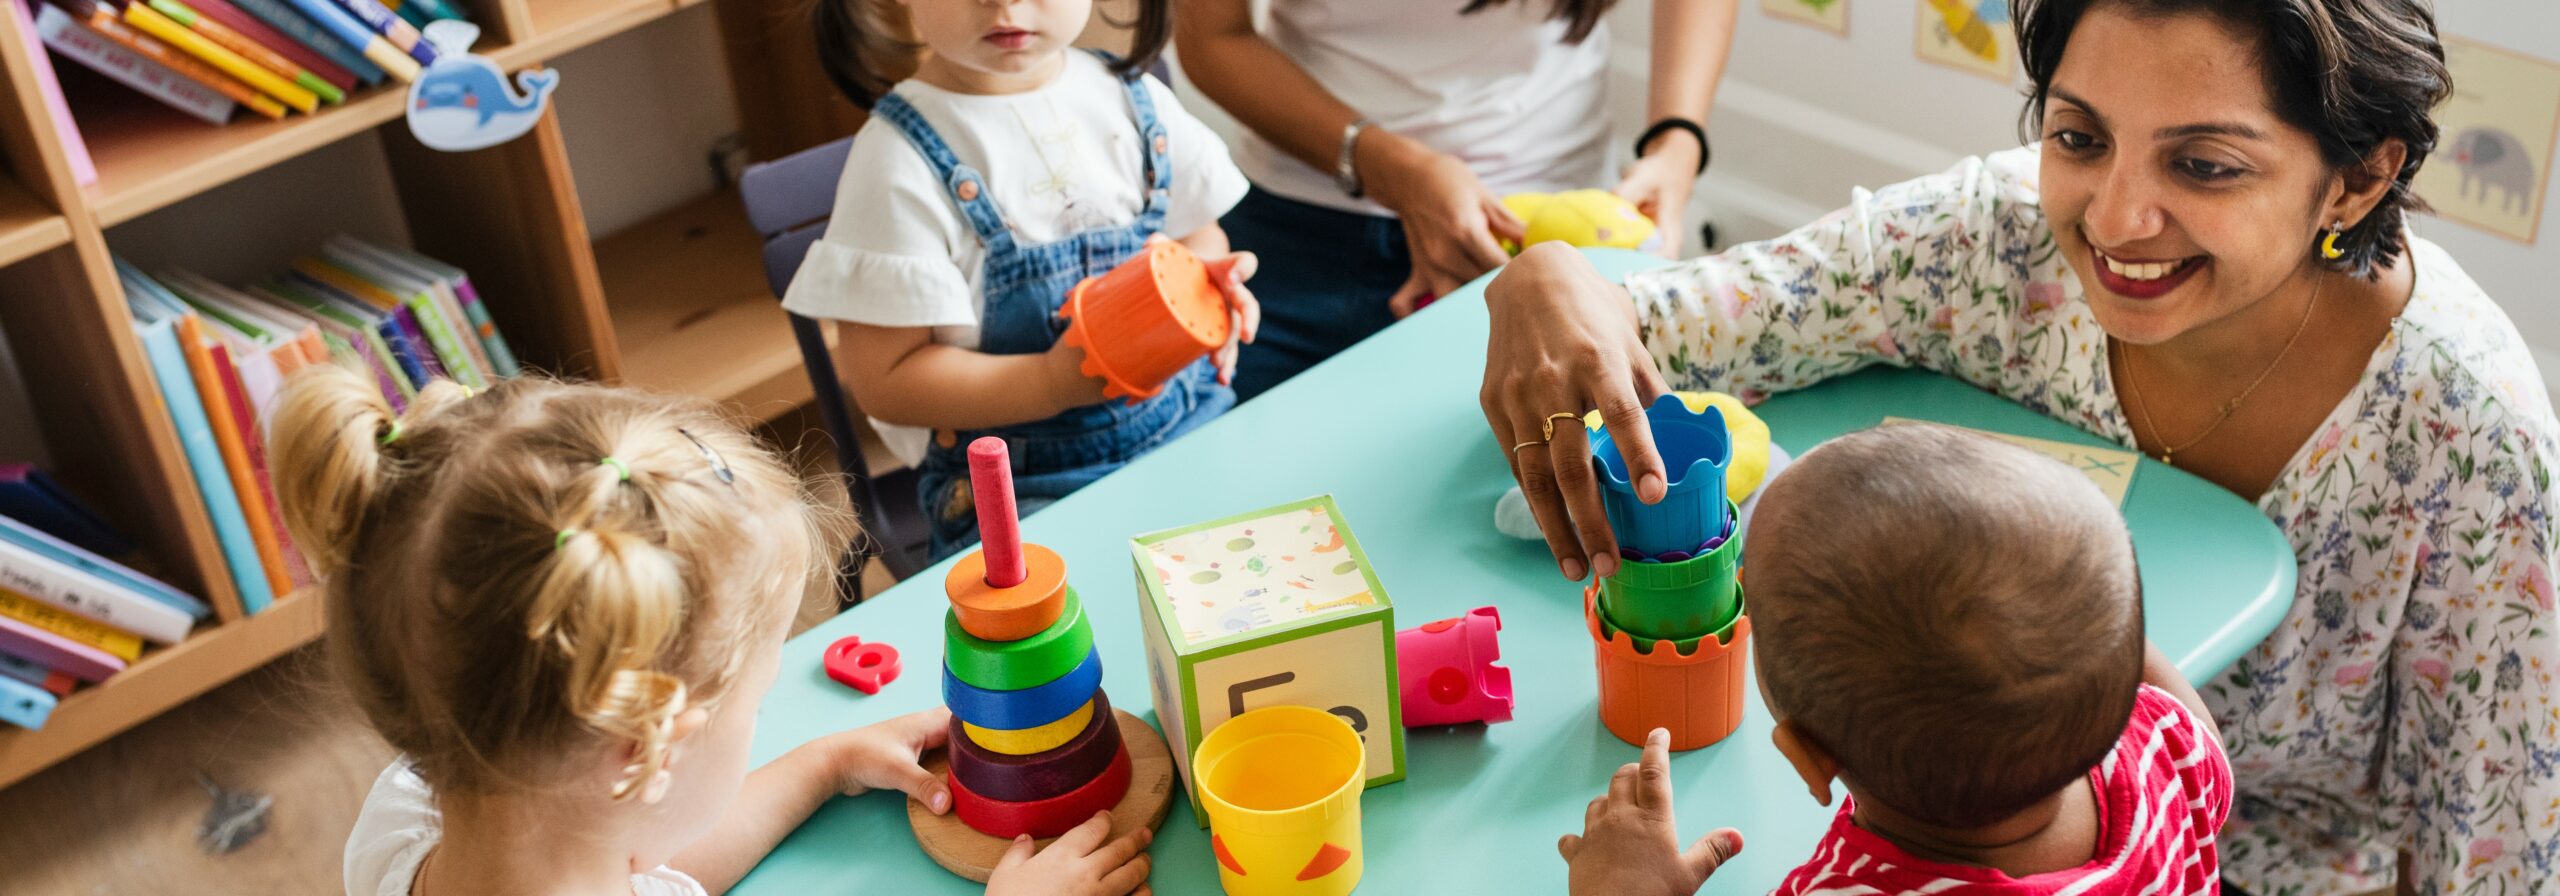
column 2329, row 244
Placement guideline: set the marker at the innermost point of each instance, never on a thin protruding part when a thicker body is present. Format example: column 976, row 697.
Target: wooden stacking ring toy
column 1016, row 665
column 1026, row 741
column 1042, row 818
column 996, row 774
column 1028, row 707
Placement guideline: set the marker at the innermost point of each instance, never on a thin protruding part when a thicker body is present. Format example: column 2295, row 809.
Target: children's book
column 302, row 54
column 117, row 56
column 493, row 344
column 84, row 170
column 82, row 661
column 32, row 497
column 31, row 574
column 24, row 705
column 151, row 22
column 284, row 16
column 14, row 533
column 217, row 385
column 114, row 642
column 156, row 321
column 58, row 684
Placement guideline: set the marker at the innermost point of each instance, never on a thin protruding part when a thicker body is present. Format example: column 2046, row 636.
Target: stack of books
column 212, row 58
column 69, row 616
column 220, row 356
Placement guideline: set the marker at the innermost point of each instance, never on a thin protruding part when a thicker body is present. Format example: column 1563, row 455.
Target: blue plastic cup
column 1695, row 449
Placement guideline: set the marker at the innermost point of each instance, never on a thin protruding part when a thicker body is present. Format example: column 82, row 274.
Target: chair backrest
column 788, row 201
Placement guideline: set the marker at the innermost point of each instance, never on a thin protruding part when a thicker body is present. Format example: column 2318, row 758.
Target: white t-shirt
column 1061, row 159
column 1499, row 89
column 400, row 825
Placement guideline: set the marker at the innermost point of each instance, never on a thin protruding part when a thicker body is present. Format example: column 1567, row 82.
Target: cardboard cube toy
column 1277, row 606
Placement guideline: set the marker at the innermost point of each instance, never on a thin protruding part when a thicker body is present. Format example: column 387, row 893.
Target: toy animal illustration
column 2490, row 157
column 463, row 102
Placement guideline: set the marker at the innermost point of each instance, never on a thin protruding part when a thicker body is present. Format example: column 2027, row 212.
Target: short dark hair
column 865, row 49
column 2352, row 73
column 1957, row 620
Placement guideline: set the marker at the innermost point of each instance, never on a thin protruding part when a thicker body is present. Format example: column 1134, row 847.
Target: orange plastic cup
column 1146, row 320
column 1697, row 696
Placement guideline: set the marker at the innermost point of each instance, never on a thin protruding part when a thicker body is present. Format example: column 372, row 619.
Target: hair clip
column 719, row 466
column 618, row 466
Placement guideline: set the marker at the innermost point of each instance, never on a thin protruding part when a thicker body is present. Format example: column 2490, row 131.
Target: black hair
column 864, row 48
column 2352, row 73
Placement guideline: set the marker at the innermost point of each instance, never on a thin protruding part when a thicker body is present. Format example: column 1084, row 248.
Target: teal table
column 1392, row 430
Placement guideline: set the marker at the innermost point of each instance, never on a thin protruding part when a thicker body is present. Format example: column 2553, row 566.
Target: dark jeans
column 1324, row 281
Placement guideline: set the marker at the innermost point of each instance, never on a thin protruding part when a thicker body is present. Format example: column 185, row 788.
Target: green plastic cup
column 1680, row 600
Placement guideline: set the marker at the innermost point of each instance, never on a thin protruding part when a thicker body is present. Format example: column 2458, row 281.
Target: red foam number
column 860, row 665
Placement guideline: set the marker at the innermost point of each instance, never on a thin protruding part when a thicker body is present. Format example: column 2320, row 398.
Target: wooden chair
column 788, row 201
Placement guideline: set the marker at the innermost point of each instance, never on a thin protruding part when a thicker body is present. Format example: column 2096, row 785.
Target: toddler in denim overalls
column 1037, row 147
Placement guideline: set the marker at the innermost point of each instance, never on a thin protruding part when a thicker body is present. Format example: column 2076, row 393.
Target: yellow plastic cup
column 1281, row 786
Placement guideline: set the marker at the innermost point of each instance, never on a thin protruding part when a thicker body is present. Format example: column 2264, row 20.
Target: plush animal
column 1588, row 219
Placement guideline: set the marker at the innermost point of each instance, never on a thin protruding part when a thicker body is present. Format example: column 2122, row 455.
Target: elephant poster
column 2492, row 167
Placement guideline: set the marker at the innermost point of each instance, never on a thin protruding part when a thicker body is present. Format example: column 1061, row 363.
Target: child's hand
column 1629, row 845
column 884, row 756
column 1077, row 864
column 1244, row 313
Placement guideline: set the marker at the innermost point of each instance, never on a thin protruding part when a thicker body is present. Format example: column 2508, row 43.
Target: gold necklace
column 2168, row 451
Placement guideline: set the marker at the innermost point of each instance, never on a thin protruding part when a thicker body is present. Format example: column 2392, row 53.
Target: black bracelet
column 1677, row 124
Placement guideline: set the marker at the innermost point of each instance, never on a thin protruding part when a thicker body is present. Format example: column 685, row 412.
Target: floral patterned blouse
column 2407, row 700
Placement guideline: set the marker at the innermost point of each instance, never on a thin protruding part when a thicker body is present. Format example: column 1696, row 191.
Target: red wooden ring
column 1041, row 775
column 1047, row 818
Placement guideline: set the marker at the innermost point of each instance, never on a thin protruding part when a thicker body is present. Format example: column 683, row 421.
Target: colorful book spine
column 204, row 462
column 34, row 673
column 353, row 33
column 57, row 585
column 266, row 35
column 75, row 150
column 501, row 356
column 24, row 705
column 256, row 53
column 106, row 639
column 29, row 496
column 398, row 31
column 43, row 544
column 83, row 662
column 306, row 293
column 282, row 16
column 105, row 21
column 245, row 417
column 160, row 26
column 210, row 363
column 434, row 9
column 129, row 67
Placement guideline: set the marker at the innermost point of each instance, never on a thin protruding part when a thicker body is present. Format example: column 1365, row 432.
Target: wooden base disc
column 965, row 852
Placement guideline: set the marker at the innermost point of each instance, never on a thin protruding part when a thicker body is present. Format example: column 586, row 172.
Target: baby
column 1951, row 627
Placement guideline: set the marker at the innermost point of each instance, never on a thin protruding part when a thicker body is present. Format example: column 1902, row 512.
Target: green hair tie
column 393, row 432
column 618, row 466
column 561, row 540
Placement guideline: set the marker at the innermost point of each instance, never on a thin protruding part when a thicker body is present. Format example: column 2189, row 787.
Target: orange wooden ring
column 1008, row 614
column 1042, row 818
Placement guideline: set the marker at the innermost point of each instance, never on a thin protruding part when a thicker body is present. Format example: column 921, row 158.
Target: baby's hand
column 1077, row 864
column 1629, row 845
column 884, row 756
column 1244, row 313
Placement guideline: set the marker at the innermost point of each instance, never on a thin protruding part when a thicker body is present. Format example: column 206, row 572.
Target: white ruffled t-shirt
column 400, row 825
column 1061, row 159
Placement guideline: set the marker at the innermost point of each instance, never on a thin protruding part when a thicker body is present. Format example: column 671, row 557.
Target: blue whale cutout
column 463, row 102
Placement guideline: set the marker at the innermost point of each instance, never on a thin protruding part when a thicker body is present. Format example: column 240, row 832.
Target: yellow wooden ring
column 1026, row 741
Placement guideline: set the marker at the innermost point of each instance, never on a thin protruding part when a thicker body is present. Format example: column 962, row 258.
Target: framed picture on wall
column 1828, row 15
column 1967, row 35
column 2492, row 165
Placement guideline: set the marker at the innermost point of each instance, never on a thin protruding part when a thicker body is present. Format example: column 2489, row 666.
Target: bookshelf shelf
column 150, row 157
column 560, row 26
column 27, row 227
column 692, row 315
column 160, row 680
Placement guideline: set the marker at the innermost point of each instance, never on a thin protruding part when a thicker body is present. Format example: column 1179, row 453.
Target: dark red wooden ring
column 1041, row 775
column 1047, row 818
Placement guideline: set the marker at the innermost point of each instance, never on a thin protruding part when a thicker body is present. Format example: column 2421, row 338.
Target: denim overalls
column 1024, row 287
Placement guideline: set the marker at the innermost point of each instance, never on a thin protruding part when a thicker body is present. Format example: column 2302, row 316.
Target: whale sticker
column 463, row 102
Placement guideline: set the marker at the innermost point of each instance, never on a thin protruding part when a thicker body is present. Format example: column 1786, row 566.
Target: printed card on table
column 2492, row 166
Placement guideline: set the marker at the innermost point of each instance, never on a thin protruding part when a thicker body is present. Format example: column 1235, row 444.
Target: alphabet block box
column 1276, row 606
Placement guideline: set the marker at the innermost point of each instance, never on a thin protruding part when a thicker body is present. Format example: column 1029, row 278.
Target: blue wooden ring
column 1017, row 665
column 1027, row 708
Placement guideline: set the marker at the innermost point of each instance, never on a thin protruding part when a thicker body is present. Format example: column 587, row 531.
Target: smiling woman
column 2203, row 257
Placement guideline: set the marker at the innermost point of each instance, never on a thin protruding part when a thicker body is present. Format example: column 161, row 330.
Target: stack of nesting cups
column 1669, row 629
column 1034, row 746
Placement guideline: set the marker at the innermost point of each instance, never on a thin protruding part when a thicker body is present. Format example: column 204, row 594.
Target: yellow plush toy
column 1750, row 434
column 1587, row 219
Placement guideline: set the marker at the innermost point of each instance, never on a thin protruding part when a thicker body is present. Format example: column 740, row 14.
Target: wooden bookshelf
column 677, row 302
column 690, row 318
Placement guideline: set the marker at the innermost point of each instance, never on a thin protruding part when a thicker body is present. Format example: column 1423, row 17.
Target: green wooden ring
column 1015, row 665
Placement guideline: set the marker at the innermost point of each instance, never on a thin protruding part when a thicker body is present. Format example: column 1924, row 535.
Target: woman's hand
column 1244, row 313
column 1660, row 183
column 1564, row 341
column 1076, row 864
column 888, row 755
column 1452, row 224
column 1629, row 845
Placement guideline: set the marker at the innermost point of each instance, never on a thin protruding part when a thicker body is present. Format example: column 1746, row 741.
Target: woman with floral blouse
column 2204, row 258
